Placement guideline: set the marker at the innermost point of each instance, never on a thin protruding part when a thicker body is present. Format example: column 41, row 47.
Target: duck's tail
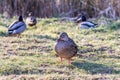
column 96, row 25
column 9, row 33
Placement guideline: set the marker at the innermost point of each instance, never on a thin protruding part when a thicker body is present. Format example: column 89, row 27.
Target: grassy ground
column 32, row 57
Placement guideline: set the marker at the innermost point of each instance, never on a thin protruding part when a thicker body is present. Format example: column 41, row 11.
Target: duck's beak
column 79, row 19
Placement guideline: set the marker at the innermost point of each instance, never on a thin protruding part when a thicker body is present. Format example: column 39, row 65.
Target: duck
column 31, row 20
column 84, row 24
column 17, row 27
column 65, row 47
column 78, row 17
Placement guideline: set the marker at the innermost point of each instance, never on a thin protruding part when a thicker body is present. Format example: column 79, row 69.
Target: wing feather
column 15, row 25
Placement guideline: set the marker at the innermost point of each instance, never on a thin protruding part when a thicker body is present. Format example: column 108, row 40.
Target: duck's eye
column 62, row 36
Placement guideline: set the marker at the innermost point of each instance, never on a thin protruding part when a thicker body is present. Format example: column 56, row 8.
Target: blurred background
column 60, row 8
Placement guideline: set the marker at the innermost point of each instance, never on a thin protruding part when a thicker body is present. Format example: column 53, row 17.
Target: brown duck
column 65, row 47
column 31, row 20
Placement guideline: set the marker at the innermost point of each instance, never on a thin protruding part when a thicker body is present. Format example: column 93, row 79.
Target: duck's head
column 63, row 36
column 20, row 18
column 81, row 19
column 30, row 14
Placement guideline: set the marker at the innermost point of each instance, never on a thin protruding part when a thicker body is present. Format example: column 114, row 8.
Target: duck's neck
column 20, row 18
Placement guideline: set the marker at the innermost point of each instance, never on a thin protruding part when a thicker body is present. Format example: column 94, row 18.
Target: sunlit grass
column 33, row 55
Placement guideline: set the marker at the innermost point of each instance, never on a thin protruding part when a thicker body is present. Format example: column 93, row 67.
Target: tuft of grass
column 2, row 33
column 113, row 26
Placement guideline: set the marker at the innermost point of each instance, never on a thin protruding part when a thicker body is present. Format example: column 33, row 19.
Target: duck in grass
column 65, row 47
column 31, row 20
column 17, row 27
column 85, row 24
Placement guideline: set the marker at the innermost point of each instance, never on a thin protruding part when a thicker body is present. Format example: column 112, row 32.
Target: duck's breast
column 64, row 49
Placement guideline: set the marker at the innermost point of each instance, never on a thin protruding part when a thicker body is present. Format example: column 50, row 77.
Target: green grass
column 33, row 57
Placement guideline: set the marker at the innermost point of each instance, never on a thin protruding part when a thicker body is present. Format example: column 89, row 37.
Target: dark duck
column 83, row 23
column 17, row 27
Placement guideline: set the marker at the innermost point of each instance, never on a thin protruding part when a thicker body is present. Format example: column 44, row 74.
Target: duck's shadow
column 94, row 68
column 47, row 37
column 4, row 24
column 3, row 34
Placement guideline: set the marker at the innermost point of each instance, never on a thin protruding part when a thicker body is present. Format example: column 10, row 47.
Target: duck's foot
column 60, row 59
column 35, row 27
column 69, row 61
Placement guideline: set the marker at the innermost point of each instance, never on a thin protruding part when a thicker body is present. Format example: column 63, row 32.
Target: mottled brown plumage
column 31, row 20
column 65, row 47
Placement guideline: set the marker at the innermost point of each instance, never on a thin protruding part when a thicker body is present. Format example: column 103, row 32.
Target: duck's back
column 17, row 27
column 31, row 21
column 87, row 25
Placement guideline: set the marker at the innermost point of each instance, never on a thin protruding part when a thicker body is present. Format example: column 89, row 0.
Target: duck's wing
column 33, row 19
column 15, row 25
column 92, row 23
column 88, row 23
column 73, row 45
column 12, row 24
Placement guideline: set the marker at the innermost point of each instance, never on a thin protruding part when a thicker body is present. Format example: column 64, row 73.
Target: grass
column 32, row 57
